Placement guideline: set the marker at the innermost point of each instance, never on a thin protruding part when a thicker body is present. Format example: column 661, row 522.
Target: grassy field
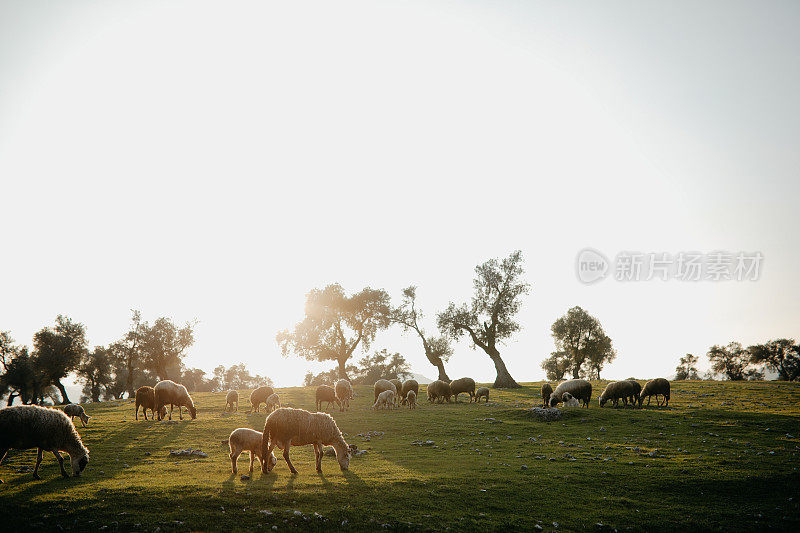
column 722, row 456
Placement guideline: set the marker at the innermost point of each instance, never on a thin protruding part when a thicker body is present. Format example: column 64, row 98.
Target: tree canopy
column 59, row 351
column 779, row 355
column 489, row 318
column 687, row 367
column 335, row 325
column 580, row 336
column 733, row 361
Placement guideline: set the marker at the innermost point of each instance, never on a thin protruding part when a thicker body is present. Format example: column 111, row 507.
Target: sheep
column 482, row 392
column 569, row 401
column 242, row 439
column 72, row 410
column 326, row 393
column 636, row 391
column 398, row 387
column 655, row 387
column 272, row 403
column 385, row 400
column 146, row 397
column 577, row 388
column 383, row 385
column 169, row 392
column 286, row 427
column 232, row 398
column 616, row 391
column 344, row 391
column 457, row 386
column 547, row 391
column 29, row 426
column 439, row 390
column 411, row 399
column 408, row 386
column 259, row 396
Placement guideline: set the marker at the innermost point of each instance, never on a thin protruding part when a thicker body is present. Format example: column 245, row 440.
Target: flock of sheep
column 52, row 430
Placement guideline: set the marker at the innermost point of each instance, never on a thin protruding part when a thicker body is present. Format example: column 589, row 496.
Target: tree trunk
column 342, row 371
column 442, row 374
column 60, row 387
column 504, row 379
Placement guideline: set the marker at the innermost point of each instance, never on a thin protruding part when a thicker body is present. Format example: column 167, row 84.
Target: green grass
column 724, row 462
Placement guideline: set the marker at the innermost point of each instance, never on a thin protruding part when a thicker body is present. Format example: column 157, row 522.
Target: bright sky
column 216, row 160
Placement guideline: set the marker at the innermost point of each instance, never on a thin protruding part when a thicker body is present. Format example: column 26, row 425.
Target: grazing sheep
column 146, row 397
column 232, row 398
column 408, row 386
column 482, row 392
column 287, row 427
column 457, row 386
column 439, row 390
column 326, row 393
column 23, row 427
column 636, row 391
column 344, row 391
column 259, row 396
column 411, row 399
column 569, row 401
column 398, row 387
column 577, row 388
column 385, row 400
column 655, row 387
column 169, row 392
column 242, row 439
column 72, row 410
column 616, row 391
column 272, row 403
column 547, row 391
column 383, row 385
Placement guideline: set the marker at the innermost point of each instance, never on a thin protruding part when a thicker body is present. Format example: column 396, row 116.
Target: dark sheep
column 616, row 391
column 547, row 391
column 409, row 385
column 327, row 394
column 655, row 387
column 457, row 386
column 439, row 390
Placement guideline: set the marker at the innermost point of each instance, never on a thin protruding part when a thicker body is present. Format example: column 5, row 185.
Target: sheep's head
column 602, row 401
column 553, row 401
column 193, row 411
column 343, row 455
column 271, row 462
column 78, row 464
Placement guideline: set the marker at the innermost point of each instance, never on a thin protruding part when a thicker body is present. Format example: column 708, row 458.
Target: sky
column 217, row 160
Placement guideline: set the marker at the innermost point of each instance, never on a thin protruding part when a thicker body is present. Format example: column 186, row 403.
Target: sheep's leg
column 252, row 456
column 286, row 446
column 38, row 462
column 60, row 463
column 234, row 458
column 318, row 456
column 180, row 412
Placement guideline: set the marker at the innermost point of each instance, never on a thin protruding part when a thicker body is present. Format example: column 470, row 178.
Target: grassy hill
column 722, row 456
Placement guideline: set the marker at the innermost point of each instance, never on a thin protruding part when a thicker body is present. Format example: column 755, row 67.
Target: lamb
column 23, row 427
column 636, row 391
column 655, row 387
column 439, row 390
column 232, row 398
column 398, row 387
column 577, row 388
column 383, row 385
column 169, row 392
column 146, row 397
column 547, row 391
column 408, row 386
column 385, row 400
column 259, row 396
column 616, row 391
column 286, row 427
column 272, row 403
column 344, row 391
column 482, row 392
column 457, row 386
column 242, row 439
column 72, row 410
column 326, row 393
column 411, row 399
column 569, row 401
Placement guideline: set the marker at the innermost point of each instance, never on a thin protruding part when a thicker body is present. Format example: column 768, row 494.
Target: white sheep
column 167, row 392
column 242, row 439
column 411, row 399
column 287, row 427
column 344, row 391
column 72, row 410
column 230, row 399
column 29, row 426
column 569, row 400
column 272, row 403
column 482, row 392
column 385, row 400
